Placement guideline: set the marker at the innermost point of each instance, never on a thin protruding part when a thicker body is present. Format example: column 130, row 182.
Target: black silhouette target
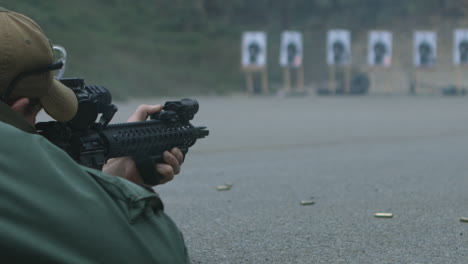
column 380, row 52
column 460, row 47
column 426, row 54
column 425, row 48
column 379, row 49
column 254, row 51
column 339, row 52
column 338, row 47
column 463, row 51
column 292, row 52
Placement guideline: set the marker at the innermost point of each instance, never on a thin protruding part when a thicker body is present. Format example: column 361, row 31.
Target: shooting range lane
column 354, row 157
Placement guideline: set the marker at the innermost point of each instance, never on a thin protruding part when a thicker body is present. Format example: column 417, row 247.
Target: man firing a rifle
column 52, row 209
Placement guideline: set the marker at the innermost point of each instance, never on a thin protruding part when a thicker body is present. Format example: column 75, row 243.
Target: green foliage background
column 177, row 47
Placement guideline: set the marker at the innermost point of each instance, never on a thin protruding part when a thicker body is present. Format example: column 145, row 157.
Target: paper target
column 425, row 48
column 460, row 49
column 253, row 49
column 291, row 49
column 379, row 52
column 338, row 47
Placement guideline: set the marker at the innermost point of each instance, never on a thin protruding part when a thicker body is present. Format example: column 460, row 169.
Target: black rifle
column 92, row 143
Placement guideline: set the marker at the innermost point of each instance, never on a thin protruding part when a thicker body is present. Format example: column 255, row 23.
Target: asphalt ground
column 352, row 156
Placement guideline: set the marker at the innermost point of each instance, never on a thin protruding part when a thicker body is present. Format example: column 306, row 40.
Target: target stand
column 339, row 61
column 254, row 61
column 460, row 58
column 251, row 73
column 419, row 86
column 459, row 87
column 290, row 59
column 334, row 74
column 379, row 87
column 424, row 60
column 379, row 57
column 298, row 89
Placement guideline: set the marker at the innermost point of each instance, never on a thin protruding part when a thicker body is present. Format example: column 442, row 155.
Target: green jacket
column 53, row 210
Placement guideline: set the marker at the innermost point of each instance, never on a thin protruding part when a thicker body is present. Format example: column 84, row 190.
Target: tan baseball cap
column 25, row 48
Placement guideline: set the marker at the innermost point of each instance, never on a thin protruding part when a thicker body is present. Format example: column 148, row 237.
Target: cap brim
column 60, row 102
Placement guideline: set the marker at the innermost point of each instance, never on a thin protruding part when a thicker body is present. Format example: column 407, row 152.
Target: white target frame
column 254, row 60
column 385, row 39
column 429, row 39
column 460, row 36
column 288, row 38
column 339, row 36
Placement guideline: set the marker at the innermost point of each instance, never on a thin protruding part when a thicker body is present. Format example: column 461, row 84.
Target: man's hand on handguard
column 125, row 166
